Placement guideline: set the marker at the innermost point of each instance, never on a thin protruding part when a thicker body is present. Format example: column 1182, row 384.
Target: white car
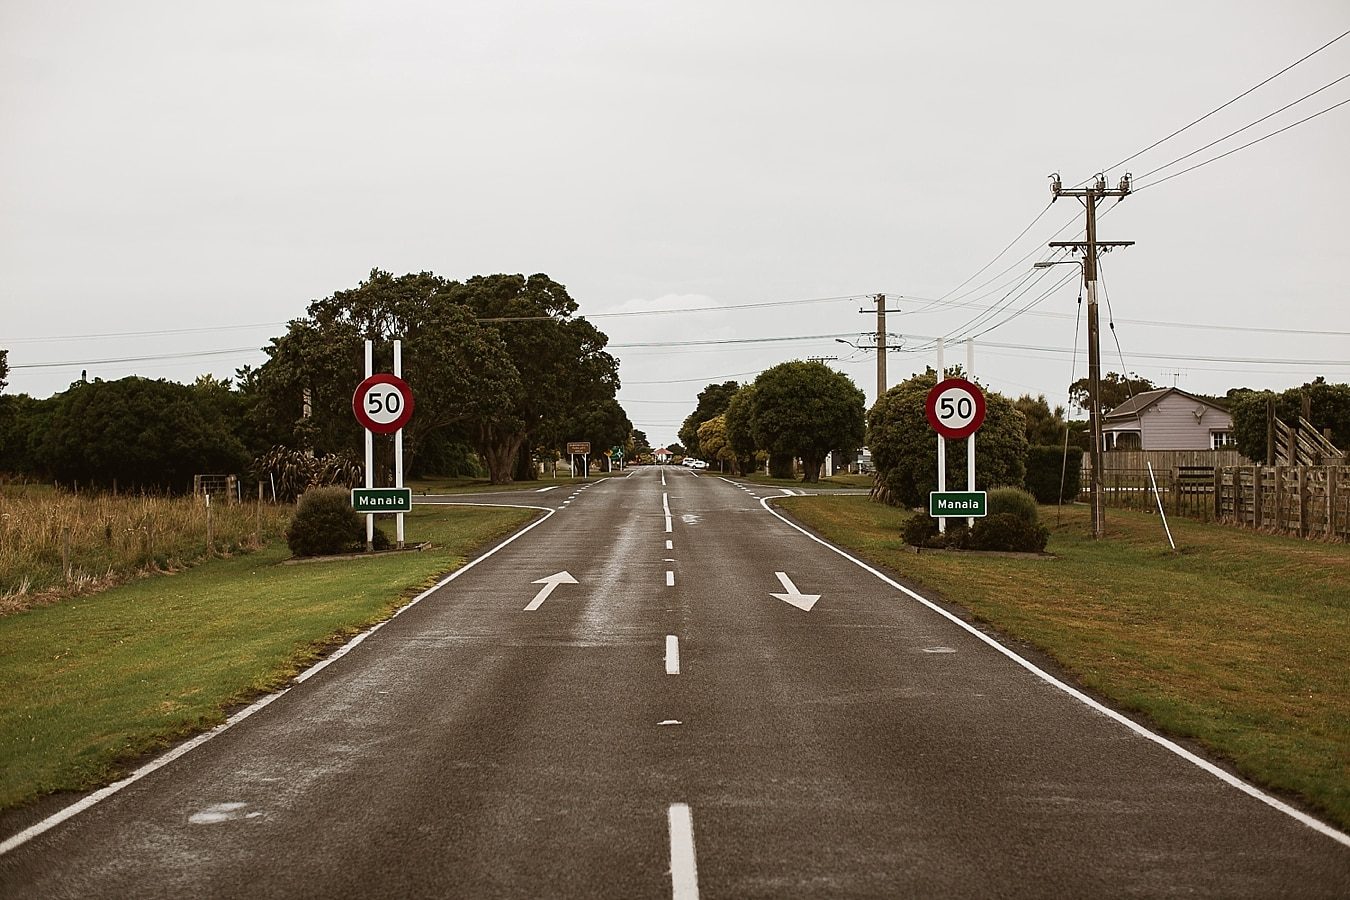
column 699, row 464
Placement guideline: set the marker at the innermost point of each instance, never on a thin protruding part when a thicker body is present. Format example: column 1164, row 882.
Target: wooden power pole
column 1089, row 249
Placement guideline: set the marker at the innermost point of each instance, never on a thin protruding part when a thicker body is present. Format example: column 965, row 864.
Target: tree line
column 503, row 370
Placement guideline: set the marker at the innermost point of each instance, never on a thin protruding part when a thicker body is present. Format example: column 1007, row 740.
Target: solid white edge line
column 163, row 760
column 683, row 868
column 672, row 655
column 1226, row 777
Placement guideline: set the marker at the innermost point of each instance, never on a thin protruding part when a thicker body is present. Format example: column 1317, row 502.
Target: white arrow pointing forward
column 794, row 596
column 549, row 584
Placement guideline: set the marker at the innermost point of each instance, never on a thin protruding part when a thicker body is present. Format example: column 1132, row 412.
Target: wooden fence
column 1310, row 501
column 1162, row 460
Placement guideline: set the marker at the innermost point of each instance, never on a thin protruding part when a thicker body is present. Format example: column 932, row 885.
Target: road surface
column 664, row 690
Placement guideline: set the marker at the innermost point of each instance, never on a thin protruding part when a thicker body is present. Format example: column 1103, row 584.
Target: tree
column 138, row 433
column 712, row 401
column 904, row 445
column 4, row 369
column 740, row 429
column 458, row 370
column 1115, row 390
column 806, row 409
column 560, row 361
column 603, row 424
column 1044, row 426
column 1328, row 403
column 712, row 442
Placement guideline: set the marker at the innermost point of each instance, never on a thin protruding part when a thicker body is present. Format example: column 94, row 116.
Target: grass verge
column 468, row 485
column 95, row 682
column 1240, row 641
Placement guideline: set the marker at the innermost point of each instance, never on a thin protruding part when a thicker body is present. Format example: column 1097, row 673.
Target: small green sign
column 377, row 500
column 958, row 504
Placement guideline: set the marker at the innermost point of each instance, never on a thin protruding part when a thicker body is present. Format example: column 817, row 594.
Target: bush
column 325, row 523
column 1045, row 464
column 1013, row 501
column 921, row 530
column 1008, row 531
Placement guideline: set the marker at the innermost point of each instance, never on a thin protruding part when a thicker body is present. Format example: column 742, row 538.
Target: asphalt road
column 667, row 726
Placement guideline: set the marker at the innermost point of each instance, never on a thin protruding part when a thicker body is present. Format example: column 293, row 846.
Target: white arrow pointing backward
column 794, row 596
column 549, row 584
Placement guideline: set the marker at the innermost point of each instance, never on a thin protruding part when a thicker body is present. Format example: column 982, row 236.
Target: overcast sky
column 198, row 173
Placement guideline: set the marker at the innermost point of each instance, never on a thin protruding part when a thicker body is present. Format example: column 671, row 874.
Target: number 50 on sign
column 383, row 403
column 955, row 408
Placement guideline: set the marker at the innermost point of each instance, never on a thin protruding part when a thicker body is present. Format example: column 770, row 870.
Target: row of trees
column 502, row 368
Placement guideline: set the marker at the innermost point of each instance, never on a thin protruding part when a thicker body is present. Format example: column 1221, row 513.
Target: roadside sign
column 383, row 403
column 955, row 408
column 579, row 448
column 373, row 500
column 958, row 504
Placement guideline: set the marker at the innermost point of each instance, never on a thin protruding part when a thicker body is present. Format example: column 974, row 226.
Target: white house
column 662, row 455
column 1168, row 419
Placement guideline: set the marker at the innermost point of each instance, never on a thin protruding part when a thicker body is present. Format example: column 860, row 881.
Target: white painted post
column 370, row 453
column 970, row 441
column 942, row 441
column 398, row 446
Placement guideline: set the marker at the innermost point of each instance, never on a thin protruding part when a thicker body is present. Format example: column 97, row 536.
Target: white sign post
column 955, row 408
column 383, row 404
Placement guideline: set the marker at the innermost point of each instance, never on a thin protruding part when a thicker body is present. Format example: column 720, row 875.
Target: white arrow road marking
column 672, row 655
column 549, row 584
column 683, row 869
column 547, row 489
column 794, row 596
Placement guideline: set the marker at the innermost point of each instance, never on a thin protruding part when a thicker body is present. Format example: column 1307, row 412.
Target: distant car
column 699, row 464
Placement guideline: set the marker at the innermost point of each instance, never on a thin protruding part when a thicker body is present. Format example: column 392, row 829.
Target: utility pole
column 1089, row 249
column 881, row 341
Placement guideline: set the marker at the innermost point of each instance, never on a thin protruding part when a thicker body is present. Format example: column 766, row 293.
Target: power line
column 1243, row 147
column 1245, row 127
column 1229, row 103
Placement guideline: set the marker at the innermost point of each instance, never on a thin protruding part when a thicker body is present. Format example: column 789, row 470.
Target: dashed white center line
column 670, row 545
column 665, row 505
column 670, row 579
column 683, row 869
column 672, row 655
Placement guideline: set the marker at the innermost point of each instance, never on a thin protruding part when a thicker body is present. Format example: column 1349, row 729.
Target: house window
column 1219, row 440
column 1122, row 440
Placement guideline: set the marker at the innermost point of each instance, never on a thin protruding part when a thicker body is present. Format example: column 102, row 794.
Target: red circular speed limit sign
column 383, row 403
column 955, row 408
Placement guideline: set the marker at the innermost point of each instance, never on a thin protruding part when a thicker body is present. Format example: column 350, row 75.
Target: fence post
column 1302, row 501
column 1218, row 493
column 1280, row 517
column 1331, row 503
column 210, row 536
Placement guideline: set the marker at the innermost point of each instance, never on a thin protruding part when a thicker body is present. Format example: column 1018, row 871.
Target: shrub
column 1045, row 464
column 1008, row 531
column 325, row 523
column 921, row 530
column 1013, row 501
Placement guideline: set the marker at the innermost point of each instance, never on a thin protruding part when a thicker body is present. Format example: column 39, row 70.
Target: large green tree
column 806, row 409
column 458, row 371
column 740, row 429
column 713, row 444
column 1115, row 390
column 904, row 445
column 712, row 401
column 1045, row 426
column 1329, row 404
column 560, row 361
column 138, row 433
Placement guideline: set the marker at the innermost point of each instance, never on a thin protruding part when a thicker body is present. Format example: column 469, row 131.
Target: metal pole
column 398, row 446
column 370, row 453
column 942, row 442
column 970, row 441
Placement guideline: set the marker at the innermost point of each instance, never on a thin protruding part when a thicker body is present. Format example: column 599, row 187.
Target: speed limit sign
column 955, row 408
column 383, row 403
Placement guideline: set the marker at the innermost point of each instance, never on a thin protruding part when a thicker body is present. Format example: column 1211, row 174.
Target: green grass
column 1240, row 640
column 95, row 682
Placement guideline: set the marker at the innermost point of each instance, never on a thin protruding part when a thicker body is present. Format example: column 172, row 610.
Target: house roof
column 1142, row 401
